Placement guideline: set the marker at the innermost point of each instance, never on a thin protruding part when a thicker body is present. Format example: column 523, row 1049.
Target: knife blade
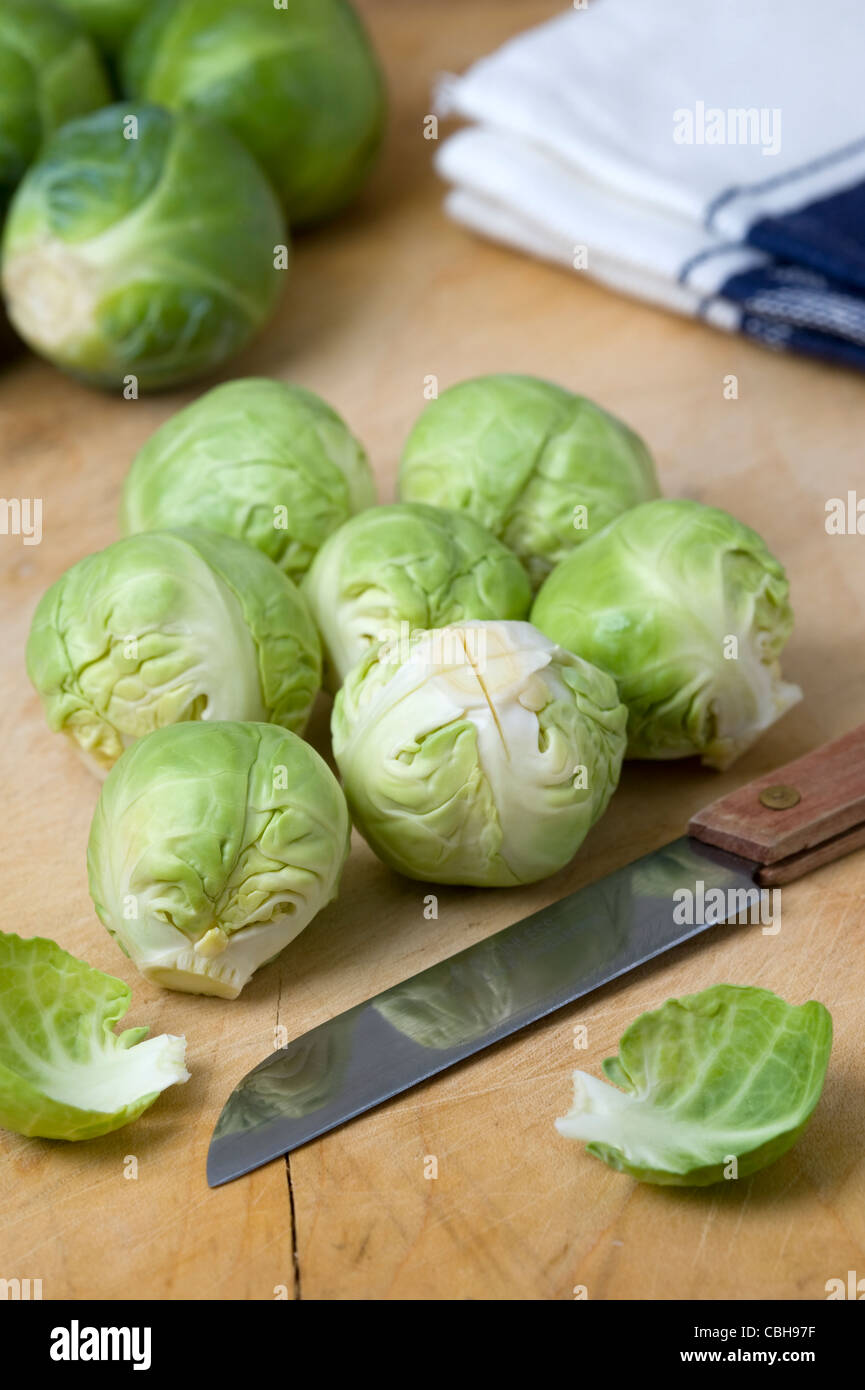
column 466, row 1003
column 769, row 832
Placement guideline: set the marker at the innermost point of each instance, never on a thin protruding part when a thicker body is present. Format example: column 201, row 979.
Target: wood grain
column 387, row 296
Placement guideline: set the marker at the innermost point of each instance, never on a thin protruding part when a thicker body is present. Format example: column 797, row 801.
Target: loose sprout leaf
column 731, row 1072
column 64, row 1072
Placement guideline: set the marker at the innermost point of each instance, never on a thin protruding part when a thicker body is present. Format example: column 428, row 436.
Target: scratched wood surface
column 389, row 295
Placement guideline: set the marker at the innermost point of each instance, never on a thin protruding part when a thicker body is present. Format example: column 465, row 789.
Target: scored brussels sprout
column 479, row 753
column 688, row 610
column 299, row 83
column 212, row 847
column 64, row 1072
column 543, row 469
column 110, row 22
column 715, row 1085
column 49, row 72
column 267, row 462
column 167, row 627
column 141, row 246
column 407, row 567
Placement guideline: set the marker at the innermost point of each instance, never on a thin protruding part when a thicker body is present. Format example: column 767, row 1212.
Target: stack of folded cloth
column 708, row 157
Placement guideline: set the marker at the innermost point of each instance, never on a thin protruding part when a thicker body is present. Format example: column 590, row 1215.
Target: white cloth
column 578, row 129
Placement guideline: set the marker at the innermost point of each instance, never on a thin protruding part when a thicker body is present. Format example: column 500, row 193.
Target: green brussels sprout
column 49, row 72
column 110, row 22
column 212, row 847
column 407, row 567
column 141, row 251
column 480, row 754
column 64, row 1072
column 168, row 627
column 541, row 468
column 688, row 610
column 261, row 460
column 298, row 83
column 733, row 1072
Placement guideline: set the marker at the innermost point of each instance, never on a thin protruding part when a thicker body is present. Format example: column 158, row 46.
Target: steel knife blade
column 467, row 1002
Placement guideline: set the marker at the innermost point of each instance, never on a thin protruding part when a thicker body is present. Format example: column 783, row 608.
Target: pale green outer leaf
column 212, row 847
column 408, row 567
column 165, row 627
column 64, row 1072
column 265, row 461
column 731, row 1072
column 521, row 456
column 689, row 610
column 481, row 753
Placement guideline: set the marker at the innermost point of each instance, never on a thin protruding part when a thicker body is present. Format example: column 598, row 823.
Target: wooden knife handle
column 804, row 814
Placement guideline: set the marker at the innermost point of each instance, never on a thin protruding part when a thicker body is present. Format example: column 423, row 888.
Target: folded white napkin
column 684, row 151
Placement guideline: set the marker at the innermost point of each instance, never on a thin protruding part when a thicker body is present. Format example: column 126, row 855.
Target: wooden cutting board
column 389, row 296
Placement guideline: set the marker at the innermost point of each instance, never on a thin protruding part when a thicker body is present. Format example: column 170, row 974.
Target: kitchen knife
column 767, row 833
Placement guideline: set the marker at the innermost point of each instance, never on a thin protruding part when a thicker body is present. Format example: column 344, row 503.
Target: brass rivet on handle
column 779, row 797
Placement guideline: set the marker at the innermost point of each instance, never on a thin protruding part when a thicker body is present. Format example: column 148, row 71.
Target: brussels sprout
column 212, row 847
column 110, row 22
column 731, row 1073
column 142, row 252
column 543, row 469
column 481, row 754
column 64, row 1072
column 49, row 72
column 167, row 627
column 408, row 566
column 688, row 610
column 266, row 462
column 298, row 83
